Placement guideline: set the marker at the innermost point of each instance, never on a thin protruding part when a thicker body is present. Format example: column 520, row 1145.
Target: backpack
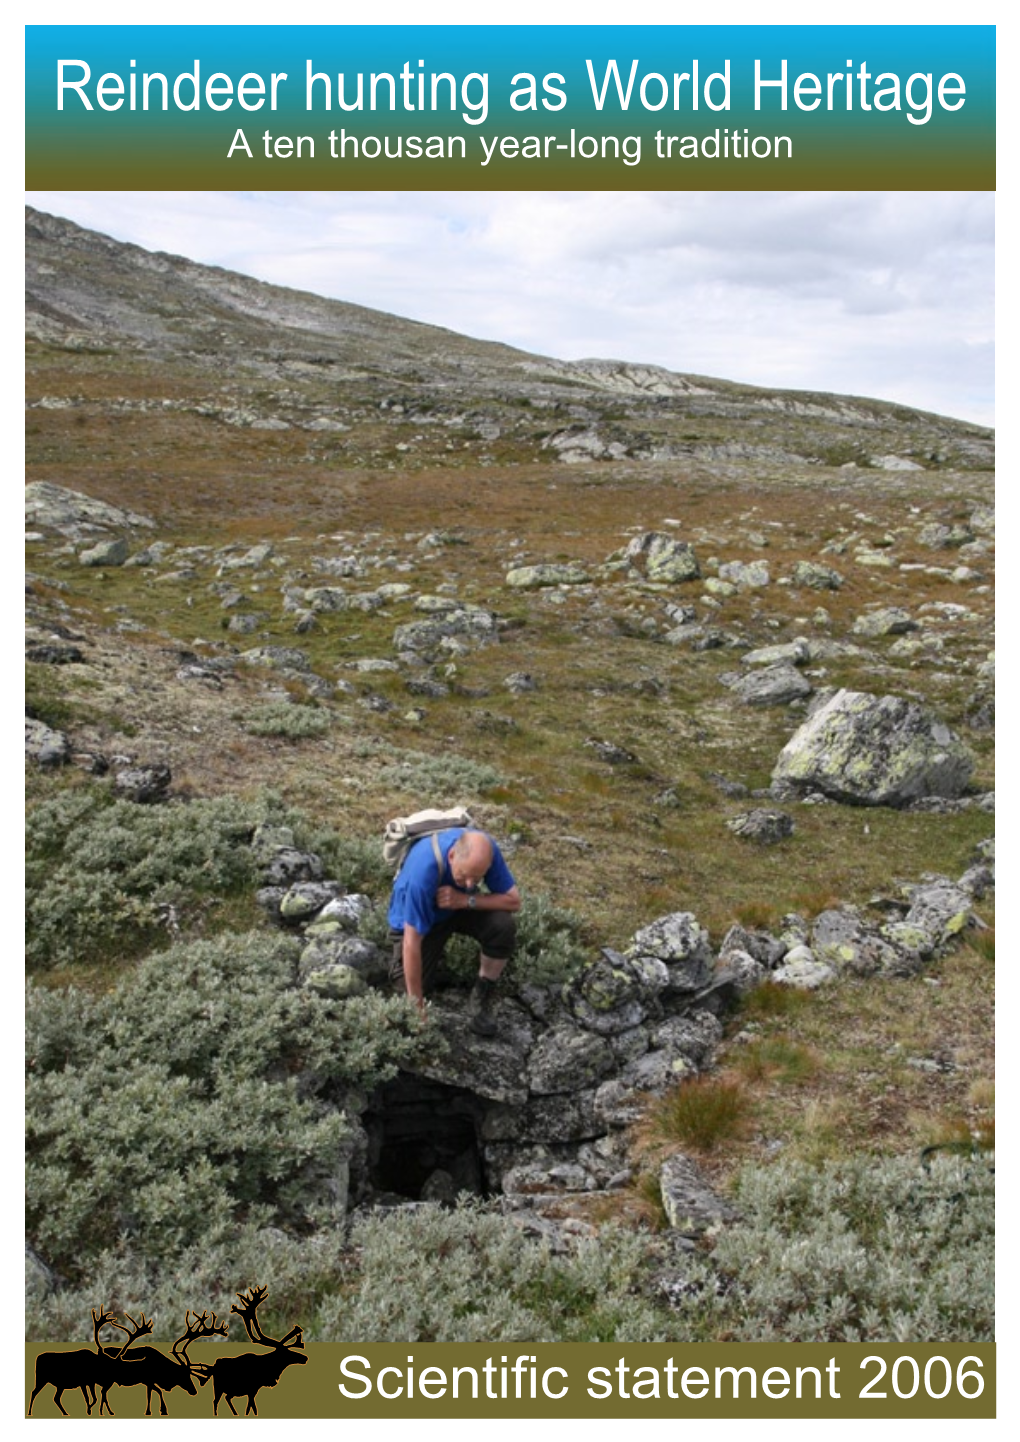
column 403, row 831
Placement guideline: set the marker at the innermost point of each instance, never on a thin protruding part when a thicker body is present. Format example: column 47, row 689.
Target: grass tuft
column 701, row 1113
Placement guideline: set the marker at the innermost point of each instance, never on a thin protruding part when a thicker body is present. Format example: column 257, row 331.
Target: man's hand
column 449, row 898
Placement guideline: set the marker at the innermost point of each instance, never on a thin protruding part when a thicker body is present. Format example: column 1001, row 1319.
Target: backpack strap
column 437, row 852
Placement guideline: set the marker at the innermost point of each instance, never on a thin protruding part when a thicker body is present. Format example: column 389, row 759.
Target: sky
column 883, row 294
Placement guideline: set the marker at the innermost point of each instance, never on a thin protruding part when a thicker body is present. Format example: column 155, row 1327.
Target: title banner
column 510, row 107
column 567, row 1380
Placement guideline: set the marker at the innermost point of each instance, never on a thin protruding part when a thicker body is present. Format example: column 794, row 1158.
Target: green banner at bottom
column 526, row 1380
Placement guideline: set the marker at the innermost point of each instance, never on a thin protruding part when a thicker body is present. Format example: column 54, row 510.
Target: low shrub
column 863, row 1250
column 102, row 874
column 469, row 1276
column 287, row 720
column 203, row 1092
column 446, row 778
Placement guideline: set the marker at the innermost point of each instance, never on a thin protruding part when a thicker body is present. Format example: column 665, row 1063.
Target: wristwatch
column 472, row 900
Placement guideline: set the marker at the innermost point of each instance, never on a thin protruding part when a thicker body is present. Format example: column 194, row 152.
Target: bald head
column 470, row 858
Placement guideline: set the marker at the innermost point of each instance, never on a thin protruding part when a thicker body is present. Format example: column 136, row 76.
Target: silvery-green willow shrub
column 101, row 873
column 863, row 1250
column 200, row 1094
column 287, row 720
column 470, row 1275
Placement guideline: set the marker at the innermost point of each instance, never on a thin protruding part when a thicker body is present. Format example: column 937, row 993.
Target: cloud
column 882, row 294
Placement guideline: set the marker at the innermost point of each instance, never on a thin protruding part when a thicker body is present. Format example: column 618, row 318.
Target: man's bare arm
column 412, row 966
column 450, row 898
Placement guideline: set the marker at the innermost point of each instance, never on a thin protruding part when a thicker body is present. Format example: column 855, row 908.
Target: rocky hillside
column 713, row 662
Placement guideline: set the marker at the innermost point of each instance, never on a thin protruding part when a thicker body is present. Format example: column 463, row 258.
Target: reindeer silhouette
column 246, row 1374
column 83, row 1369
column 152, row 1369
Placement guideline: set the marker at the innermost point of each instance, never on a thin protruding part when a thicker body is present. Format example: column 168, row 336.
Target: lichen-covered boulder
column 940, row 909
column 338, row 982
column 616, row 993
column 749, row 575
column 473, row 624
column 693, row 1037
column 815, row 576
column 843, row 940
column 873, row 751
column 45, row 746
column 566, row 1059
column 306, row 898
column 678, row 941
column 802, row 969
column 528, row 578
column 663, row 557
column 354, row 952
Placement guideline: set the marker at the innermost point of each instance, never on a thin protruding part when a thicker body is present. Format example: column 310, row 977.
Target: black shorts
column 495, row 932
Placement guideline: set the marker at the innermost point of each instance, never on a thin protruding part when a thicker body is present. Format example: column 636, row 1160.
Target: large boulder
column 71, row 513
column 45, row 746
column 873, row 751
column 663, row 557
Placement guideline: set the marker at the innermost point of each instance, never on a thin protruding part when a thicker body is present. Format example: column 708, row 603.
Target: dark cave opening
column 424, row 1140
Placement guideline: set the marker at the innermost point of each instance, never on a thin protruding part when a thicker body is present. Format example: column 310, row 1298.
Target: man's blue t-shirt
column 413, row 902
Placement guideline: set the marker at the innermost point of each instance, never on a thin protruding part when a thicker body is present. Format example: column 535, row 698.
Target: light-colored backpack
column 403, row 831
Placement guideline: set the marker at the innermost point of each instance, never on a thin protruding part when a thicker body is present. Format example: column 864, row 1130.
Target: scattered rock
column 610, row 752
column 663, row 557
column 687, row 1199
column 762, row 825
column 771, row 686
column 44, row 746
column 873, row 751
column 785, row 653
column 54, row 655
column 815, row 576
column 526, row 578
column 884, row 621
column 105, row 553
column 75, row 515
column 746, row 575
column 146, row 785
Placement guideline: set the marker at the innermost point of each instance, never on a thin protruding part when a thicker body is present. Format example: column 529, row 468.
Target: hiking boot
column 480, row 1008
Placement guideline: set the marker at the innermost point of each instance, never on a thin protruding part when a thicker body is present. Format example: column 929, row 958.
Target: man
column 436, row 893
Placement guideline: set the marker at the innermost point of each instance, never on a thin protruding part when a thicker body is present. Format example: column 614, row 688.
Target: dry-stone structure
column 538, row 1115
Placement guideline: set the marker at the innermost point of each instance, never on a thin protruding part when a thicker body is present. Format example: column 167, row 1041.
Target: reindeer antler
column 140, row 1329
column 247, row 1311
column 196, row 1326
column 101, row 1319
